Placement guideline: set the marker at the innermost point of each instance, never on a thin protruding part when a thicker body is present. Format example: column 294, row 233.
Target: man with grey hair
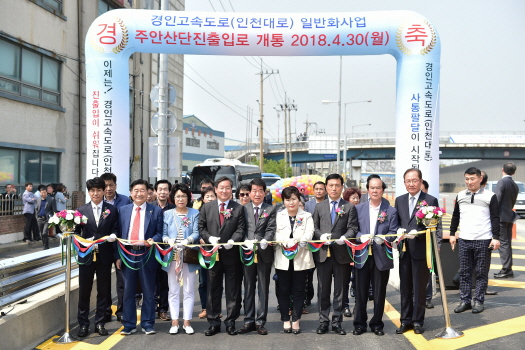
column 507, row 193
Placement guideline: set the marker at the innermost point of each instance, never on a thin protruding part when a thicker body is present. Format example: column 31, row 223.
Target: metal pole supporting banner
column 66, row 338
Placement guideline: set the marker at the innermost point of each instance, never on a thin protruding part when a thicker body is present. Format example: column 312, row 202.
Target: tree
column 272, row 166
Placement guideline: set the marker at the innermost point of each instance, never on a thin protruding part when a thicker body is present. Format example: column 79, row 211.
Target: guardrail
column 28, row 274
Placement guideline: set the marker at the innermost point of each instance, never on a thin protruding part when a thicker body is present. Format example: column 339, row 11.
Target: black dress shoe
column 477, row 307
column 358, row 331
column 418, row 329
column 429, row 304
column 231, row 330
column 261, row 330
column 378, row 331
column 462, row 307
column 247, row 328
column 404, row 328
column 83, row 331
column 99, row 328
column 212, row 331
column 338, row 330
column 347, row 312
column 296, row 331
column 504, row 274
column 491, row 292
column 287, row 330
column 322, row 329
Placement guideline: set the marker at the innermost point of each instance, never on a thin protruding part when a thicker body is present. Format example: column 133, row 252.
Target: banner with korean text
column 406, row 35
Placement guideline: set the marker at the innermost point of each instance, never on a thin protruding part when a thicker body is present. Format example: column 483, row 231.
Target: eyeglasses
column 244, row 194
column 181, row 197
column 409, row 182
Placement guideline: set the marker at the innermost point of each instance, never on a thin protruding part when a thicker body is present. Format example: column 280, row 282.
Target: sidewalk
column 11, row 250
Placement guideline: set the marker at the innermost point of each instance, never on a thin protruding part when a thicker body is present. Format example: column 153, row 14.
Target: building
column 199, row 142
column 42, row 91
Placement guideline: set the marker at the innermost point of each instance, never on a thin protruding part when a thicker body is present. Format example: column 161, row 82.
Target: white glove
column 112, row 237
column 364, row 238
column 411, row 235
column 378, row 240
column 263, row 244
column 248, row 243
column 302, row 242
column 326, row 237
column 214, row 240
column 184, row 242
column 171, row 241
column 165, row 239
column 340, row 241
column 401, row 231
column 289, row 243
column 229, row 244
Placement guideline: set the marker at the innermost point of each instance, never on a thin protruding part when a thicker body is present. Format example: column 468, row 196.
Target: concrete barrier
column 42, row 316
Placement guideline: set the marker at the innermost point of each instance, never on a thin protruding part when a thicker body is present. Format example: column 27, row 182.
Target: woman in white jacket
column 294, row 226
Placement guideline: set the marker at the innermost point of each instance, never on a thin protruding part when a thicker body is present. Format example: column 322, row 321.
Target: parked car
column 519, row 207
column 270, row 178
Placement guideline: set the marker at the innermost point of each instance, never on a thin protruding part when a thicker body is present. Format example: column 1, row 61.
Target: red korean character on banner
column 416, row 32
column 111, row 33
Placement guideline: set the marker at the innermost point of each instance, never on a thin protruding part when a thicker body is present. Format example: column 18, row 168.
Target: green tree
column 272, row 166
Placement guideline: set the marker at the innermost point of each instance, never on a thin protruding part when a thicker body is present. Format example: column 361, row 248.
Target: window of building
column 104, row 7
column 18, row 166
column 193, row 142
column 213, row 145
column 29, row 74
column 53, row 6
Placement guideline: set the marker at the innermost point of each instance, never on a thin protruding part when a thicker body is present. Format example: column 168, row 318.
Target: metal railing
column 14, row 206
column 28, row 274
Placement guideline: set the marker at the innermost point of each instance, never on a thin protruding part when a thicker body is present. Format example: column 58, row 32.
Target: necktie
column 256, row 215
column 97, row 217
column 221, row 215
column 136, row 227
column 334, row 203
column 412, row 202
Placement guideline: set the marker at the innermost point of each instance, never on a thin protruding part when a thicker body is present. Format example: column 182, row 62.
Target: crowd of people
column 281, row 237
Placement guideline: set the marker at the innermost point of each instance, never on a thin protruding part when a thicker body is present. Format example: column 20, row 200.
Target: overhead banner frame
column 406, row 35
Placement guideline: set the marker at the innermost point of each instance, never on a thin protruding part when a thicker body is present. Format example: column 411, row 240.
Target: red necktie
column 136, row 227
column 221, row 215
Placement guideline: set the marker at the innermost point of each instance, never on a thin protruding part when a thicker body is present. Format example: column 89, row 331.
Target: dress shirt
column 225, row 204
column 373, row 213
column 416, row 197
column 97, row 213
column 336, row 204
column 142, row 213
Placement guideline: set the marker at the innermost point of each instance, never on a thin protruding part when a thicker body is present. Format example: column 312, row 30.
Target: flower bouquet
column 67, row 220
column 429, row 215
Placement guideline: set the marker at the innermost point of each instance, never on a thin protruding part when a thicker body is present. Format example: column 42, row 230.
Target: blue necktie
column 334, row 203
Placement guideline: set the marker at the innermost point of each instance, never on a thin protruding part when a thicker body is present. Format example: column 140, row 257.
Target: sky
column 482, row 72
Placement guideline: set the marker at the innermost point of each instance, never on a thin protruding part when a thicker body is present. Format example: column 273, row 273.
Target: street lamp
column 345, row 144
column 325, row 102
column 355, row 126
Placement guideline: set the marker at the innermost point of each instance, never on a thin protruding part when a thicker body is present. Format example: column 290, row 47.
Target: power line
column 220, row 2
column 212, row 6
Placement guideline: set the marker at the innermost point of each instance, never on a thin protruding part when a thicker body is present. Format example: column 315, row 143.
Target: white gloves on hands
column 289, row 243
column 112, row 237
column 411, row 235
column 248, row 243
column 171, row 241
column 340, row 241
column 364, row 238
column 401, row 231
column 263, row 244
column 214, row 240
column 165, row 239
column 326, row 237
column 378, row 240
column 302, row 242
column 229, row 244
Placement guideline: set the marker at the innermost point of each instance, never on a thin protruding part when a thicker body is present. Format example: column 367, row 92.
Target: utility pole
column 162, row 140
column 268, row 72
column 287, row 107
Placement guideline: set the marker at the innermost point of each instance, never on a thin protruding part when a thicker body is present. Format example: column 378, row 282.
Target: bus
column 215, row 168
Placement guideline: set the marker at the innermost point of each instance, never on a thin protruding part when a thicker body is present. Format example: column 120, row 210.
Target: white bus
column 215, row 168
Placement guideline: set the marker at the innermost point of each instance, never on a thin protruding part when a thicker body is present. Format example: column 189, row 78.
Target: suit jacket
column 310, row 206
column 507, row 193
column 106, row 226
column 344, row 226
column 408, row 221
column 172, row 223
column 265, row 228
column 50, row 208
column 387, row 227
column 303, row 260
column 153, row 222
column 233, row 227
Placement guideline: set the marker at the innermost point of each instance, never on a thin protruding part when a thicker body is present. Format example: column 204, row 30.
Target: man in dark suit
column 141, row 223
column 375, row 218
column 118, row 200
column 260, row 226
column 223, row 221
column 507, row 193
column 334, row 218
column 413, row 270
column 44, row 209
column 102, row 221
